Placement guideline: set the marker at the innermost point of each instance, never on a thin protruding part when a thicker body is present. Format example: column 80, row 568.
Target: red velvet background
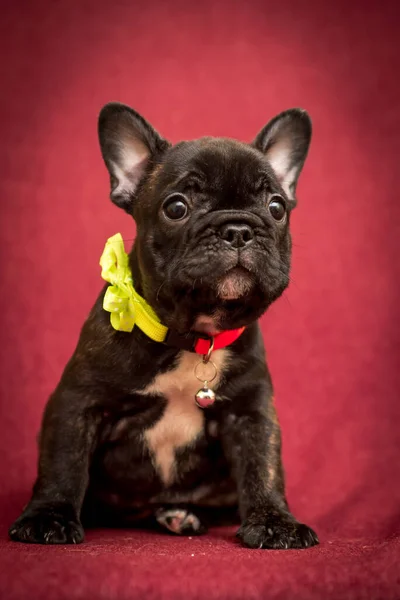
column 224, row 69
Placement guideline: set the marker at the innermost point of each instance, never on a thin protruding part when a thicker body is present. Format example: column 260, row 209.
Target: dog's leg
column 252, row 443
column 180, row 520
column 66, row 442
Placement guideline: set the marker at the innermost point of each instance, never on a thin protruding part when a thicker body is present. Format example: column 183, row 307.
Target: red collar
column 201, row 343
column 221, row 340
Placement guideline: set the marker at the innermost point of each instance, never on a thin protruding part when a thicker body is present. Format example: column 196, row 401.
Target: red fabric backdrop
column 333, row 341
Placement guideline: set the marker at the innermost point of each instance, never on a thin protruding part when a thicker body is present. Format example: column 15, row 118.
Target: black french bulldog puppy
column 122, row 437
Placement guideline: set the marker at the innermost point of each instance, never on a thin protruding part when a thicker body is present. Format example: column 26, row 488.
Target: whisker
column 159, row 290
column 287, row 300
column 264, row 252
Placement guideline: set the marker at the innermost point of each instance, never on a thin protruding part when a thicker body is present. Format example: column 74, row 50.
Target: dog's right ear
column 128, row 144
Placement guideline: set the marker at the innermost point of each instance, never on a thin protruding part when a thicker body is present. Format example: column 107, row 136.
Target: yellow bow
column 127, row 308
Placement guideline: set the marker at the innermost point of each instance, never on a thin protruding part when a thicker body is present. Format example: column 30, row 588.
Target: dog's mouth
column 231, row 290
column 235, row 284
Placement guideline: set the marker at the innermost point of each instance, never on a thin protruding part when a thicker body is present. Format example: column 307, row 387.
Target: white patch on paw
column 176, row 520
column 193, row 521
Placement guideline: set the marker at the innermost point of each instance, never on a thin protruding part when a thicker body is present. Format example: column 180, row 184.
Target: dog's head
column 213, row 245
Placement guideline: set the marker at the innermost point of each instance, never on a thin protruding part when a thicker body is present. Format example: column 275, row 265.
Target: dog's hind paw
column 180, row 521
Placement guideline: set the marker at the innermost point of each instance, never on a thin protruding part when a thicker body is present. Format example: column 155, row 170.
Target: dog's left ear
column 285, row 141
column 129, row 145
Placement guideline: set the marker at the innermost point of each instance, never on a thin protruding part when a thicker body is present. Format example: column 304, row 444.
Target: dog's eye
column 175, row 207
column 277, row 207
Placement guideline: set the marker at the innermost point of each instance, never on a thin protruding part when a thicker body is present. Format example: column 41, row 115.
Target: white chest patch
column 182, row 421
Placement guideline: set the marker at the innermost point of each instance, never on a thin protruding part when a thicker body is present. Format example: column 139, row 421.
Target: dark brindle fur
column 121, row 438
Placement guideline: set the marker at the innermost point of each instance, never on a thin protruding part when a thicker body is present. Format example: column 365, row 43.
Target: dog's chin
column 229, row 292
column 234, row 285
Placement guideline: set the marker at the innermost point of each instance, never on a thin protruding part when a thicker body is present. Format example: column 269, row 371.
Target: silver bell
column 205, row 397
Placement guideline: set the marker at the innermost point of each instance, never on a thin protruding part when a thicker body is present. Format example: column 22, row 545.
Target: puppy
column 128, row 435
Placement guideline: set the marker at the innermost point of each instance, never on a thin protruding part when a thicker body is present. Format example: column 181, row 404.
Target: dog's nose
column 237, row 235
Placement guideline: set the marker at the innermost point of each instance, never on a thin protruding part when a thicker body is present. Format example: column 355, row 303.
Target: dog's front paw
column 47, row 526
column 278, row 532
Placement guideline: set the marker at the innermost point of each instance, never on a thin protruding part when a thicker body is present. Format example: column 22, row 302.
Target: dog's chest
column 182, row 421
